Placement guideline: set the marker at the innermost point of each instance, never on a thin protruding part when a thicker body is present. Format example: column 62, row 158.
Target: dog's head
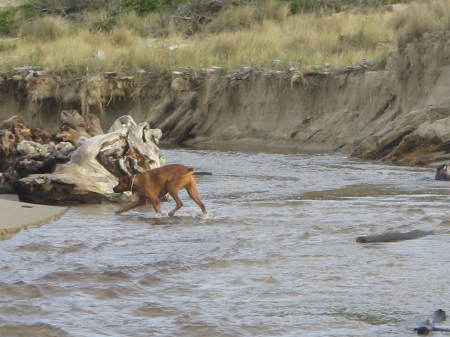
column 124, row 184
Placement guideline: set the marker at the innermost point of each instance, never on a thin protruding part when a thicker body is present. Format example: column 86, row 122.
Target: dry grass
column 246, row 16
column 304, row 41
column 47, row 28
column 419, row 18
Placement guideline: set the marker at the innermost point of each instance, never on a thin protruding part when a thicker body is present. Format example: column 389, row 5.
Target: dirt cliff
column 400, row 113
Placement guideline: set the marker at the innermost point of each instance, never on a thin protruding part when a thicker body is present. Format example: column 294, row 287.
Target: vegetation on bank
column 126, row 35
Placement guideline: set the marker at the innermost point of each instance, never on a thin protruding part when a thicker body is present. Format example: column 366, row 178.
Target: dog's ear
column 130, row 166
column 123, row 166
column 134, row 166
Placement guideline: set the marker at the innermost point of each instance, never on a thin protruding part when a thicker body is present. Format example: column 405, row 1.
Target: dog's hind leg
column 191, row 188
column 174, row 195
column 132, row 205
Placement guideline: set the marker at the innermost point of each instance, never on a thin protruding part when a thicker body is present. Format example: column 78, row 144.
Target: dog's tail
column 200, row 173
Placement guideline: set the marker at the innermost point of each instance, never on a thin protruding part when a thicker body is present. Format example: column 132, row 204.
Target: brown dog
column 156, row 183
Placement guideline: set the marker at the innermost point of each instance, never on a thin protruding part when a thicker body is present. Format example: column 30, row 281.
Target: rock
column 297, row 78
column 25, row 150
column 17, row 126
column 6, row 179
column 180, row 84
column 7, row 148
column 35, row 158
column 73, row 125
column 442, row 172
column 94, row 167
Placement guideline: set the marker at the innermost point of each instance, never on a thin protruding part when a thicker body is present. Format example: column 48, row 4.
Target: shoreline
column 20, row 215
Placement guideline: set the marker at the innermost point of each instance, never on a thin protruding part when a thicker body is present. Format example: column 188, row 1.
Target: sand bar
column 16, row 216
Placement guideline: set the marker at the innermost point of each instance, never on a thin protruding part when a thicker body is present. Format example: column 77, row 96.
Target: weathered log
column 142, row 139
column 393, row 236
column 428, row 326
column 94, row 167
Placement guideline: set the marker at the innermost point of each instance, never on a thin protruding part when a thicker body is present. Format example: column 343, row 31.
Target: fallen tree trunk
column 94, row 167
column 393, row 236
column 428, row 326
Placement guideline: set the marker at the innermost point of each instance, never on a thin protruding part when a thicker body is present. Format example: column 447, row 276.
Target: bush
column 244, row 16
column 47, row 28
column 7, row 20
column 104, row 23
column 63, row 7
column 140, row 25
column 420, row 18
column 297, row 6
column 142, row 7
column 121, row 37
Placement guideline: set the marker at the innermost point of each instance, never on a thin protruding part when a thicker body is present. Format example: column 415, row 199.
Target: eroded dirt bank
column 400, row 113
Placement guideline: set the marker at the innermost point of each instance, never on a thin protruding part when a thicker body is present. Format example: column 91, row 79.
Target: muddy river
column 276, row 256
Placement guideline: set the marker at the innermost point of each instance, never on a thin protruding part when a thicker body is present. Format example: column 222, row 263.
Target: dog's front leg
column 156, row 205
column 127, row 207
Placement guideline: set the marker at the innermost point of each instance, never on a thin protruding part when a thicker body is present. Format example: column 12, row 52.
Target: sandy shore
column 20, row 215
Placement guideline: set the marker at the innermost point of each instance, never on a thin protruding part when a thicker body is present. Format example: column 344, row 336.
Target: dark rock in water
column 442, row 172
column 393, row 236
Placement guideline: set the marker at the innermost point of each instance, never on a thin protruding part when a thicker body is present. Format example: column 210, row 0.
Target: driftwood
column 428, row 326
column 95, row 166
column 25, row 150
column 393, row 236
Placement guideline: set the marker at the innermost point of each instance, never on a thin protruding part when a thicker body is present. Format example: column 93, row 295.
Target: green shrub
column 142, row 7
column 297, row 6
column 105, row 22
column 62, row 7
column 7, row 20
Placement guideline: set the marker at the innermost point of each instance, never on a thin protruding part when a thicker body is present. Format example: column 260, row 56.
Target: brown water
column 275, row 257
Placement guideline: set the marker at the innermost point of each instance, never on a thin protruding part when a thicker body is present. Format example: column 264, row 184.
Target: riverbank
column 19, row 215
column 398, row 114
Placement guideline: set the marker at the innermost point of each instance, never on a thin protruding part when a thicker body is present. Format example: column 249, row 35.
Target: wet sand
column 20, row 215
